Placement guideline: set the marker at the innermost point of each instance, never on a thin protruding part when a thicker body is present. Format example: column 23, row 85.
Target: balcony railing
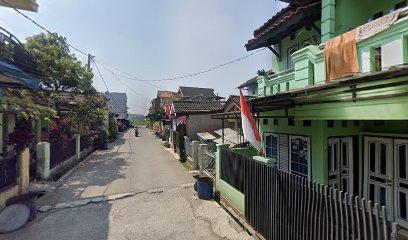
column 12, row 52
column 275, row 83
column 391, row 43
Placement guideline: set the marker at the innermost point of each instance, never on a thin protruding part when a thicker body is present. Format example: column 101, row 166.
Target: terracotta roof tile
column 264, row 30
column 195, row 107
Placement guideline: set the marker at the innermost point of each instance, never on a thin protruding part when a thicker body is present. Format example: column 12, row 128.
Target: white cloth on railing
column 378, row 25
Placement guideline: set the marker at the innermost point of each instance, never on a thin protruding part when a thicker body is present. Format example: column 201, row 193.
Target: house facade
column 345, row 126
column 190, row 118
column 17, row 73
column 250, row 86
column 164, row 98
column 197, row 94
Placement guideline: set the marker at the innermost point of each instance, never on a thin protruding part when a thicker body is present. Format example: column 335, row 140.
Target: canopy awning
column 206, row 136
column 28, row 5
column 12, row 76
column 323, row 93
column 230, row 136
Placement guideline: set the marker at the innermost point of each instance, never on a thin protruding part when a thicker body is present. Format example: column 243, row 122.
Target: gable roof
column 195, row 91
column 168, row 94
column 196, row 107
column 235, row 101
column 249, row 82
column 285, row 22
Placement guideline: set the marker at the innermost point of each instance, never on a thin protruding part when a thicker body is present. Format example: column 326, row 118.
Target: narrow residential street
column 160, row 201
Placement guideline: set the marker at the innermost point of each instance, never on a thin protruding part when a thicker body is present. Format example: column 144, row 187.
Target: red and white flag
column 251, row 133
column 168, row 110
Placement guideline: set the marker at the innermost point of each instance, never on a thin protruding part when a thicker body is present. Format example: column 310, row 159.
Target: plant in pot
column 23, row 135
column 101, row 140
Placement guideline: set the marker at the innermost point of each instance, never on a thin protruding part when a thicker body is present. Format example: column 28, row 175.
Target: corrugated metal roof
column 206, row 136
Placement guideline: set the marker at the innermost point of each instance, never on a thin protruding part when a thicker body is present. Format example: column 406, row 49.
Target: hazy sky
column 155, row 39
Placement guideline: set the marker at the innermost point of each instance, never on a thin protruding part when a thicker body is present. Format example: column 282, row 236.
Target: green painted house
column 349, row 132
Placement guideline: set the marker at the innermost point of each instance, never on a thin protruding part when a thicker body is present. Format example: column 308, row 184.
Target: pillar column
column 78, row 145
column 43, row 159
column 328, row 25
column 23, row 163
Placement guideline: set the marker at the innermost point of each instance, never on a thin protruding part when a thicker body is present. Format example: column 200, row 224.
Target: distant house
column 118, row 103
column 198, row 94
column 118, row 107
column 250, row 86
column 164, row 98
column 230, row 116
column 192, row 117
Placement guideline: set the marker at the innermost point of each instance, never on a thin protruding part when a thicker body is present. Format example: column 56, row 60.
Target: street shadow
column 91, row 222
column 91, row 179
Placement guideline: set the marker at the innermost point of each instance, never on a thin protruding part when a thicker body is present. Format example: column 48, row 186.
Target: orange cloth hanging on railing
column 340, row 56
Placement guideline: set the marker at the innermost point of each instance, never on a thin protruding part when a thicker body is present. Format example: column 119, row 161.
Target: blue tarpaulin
column 16, row 73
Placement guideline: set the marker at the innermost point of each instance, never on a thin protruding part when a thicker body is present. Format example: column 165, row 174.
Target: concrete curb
column 62, row 179
column 82, row 202
column 235, row 213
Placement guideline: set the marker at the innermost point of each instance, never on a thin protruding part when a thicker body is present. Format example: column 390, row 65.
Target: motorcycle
column 136, row 132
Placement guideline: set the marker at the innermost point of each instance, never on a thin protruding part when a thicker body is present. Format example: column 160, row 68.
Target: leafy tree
column 59, row 69
column 88, row 115
column 155, row 114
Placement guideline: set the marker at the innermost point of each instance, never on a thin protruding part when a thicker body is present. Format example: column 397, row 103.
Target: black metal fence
column 210, row 163
column 280, row 205
column 62, row 151
column 33, row 164
column 233, row 169
column 8, row 171
column 11, row 51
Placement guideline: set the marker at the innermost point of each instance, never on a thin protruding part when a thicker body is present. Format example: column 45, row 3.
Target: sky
column 156, row 39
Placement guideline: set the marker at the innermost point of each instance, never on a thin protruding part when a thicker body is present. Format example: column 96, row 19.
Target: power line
column 132, row 77
column 43, row 28
column 202, row 72
column 100, row 74
column 103, row 79
column 104, row 65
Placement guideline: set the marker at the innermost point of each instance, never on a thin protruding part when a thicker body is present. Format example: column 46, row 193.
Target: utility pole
column 90, row 57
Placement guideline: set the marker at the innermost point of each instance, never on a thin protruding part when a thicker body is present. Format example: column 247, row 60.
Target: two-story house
column 333, row 108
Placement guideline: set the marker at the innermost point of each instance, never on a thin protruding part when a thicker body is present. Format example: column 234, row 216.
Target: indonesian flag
column 168, row 110
column 248, row 124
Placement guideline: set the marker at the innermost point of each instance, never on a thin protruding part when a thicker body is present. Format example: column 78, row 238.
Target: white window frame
column 389, row 186
column 309, row 165
column 277, row 145
column 397, row 180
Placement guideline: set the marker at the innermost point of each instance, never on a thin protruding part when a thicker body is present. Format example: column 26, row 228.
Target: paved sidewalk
column 163, row 204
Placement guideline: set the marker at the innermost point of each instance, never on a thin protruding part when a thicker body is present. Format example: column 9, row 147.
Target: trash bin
column 204, row 188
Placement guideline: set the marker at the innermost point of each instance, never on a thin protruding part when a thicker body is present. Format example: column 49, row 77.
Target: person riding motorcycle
column 136, row 131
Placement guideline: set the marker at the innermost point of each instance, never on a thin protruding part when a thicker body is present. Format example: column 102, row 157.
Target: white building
column 118, row 102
